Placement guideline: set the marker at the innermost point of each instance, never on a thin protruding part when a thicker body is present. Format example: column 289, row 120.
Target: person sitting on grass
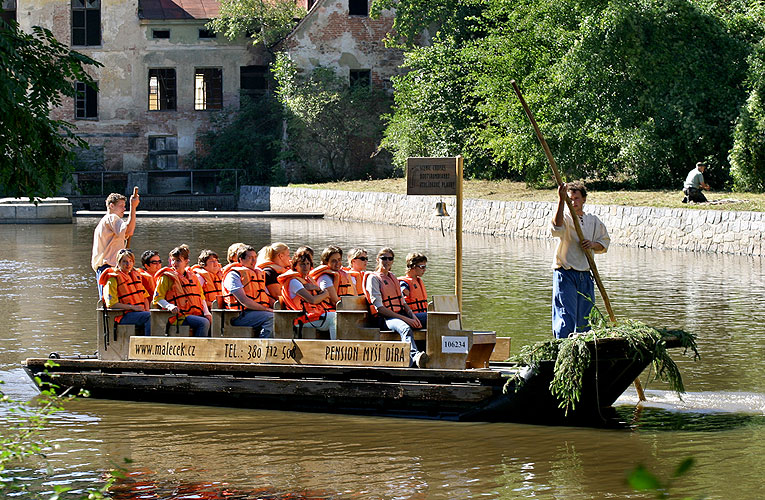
column 694, row 183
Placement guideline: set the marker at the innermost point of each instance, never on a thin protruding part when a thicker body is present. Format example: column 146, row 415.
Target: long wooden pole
column 135, row 193
column 577, row 226
column 458, row 230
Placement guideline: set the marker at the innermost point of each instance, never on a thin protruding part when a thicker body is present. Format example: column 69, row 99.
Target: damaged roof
column 178, row 9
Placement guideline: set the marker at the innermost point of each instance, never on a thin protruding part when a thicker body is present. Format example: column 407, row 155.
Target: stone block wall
column 714, row 231
column 28, row 213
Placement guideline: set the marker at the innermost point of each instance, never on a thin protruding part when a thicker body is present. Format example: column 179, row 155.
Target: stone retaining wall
column 657, row 228
column 43, row 213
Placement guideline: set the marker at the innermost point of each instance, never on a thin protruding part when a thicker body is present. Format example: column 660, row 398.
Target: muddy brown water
column 47, row 299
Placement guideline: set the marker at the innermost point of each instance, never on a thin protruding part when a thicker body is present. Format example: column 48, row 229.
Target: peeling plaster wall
column 127, row 53
column 330, row 37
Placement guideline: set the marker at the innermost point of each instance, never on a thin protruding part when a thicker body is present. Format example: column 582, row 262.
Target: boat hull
column 492, row 395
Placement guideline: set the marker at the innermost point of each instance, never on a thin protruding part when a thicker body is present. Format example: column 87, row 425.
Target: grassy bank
column 518, row 191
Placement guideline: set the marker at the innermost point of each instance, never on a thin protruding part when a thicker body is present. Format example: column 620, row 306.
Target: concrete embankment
column 657, row 228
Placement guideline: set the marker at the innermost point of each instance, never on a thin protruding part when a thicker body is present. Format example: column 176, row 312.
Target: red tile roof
column 178, row 9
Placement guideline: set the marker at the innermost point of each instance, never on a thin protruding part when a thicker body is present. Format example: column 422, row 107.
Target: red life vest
column 359, row 276
column 418, row 296
column 212, row 285
column 129, row 287
column 148, row 282
column 312, row 312
column 390, row 291
column 254, row 286
column 185, row 293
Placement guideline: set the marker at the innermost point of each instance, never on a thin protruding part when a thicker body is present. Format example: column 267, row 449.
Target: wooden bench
column 284, row 325
column 221, row 326
column 354, row 321
column 480, row 344
column 161, row 327
column 113, row 338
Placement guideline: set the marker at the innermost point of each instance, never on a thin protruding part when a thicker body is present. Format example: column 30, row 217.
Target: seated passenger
column 297, row 296
column 274, row 261
column 151, row 262
column 231, row 256
column 178, row 291
column 122, row 289
column 330, row 276
column 357, row 268
column 244, row 290
column 386, row 302
column 210, row 275
column 413, row 288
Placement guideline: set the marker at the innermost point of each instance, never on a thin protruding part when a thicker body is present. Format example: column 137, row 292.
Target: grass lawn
column 518, row 191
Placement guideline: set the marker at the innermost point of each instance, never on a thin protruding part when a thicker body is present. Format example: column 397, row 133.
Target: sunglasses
column 361, row 258
column 155, row 261
column 421, row 266
column 386, row 258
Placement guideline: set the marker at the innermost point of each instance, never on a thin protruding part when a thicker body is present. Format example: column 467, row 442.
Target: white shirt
column 108, row 239
column 295, row 287
column 326, row 281
column 569, row 253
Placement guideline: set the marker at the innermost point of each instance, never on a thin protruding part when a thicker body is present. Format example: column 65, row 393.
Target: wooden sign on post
column 431, row 176
column 272, row 351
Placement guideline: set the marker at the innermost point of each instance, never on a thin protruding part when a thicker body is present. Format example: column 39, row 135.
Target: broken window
column 162, row 90
column 361, row 77
column 163, row 152
column 208, row 88
column 8, row 11
column 85, row 101
column 203, row 33
column 253, row 80
column 86, row 22
column 358, row 8
column 160, row 34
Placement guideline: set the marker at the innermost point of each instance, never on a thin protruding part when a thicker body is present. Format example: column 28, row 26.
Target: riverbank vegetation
column 627, row 91
column 504, row 190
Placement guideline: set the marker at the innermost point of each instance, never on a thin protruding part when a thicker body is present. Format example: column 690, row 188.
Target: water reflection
column 47, row 295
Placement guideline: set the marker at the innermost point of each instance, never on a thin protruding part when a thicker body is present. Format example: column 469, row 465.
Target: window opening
column 253, row 80
column 86, row 22
column 162, row 90
column 8, row 11
column 160, row 34
column 163, row 152
column 361, row 77
column 208, row 88
column 358, row 8
column 85, row 101
column 207, row 34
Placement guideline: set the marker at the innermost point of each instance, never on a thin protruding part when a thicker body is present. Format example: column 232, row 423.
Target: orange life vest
column 418, row 296
column 359, row 276
column 147, row 280
column 212, row 286
column 340, row 279
column 185, row 293
column 254, row 286
column 312, row 312
column 129, row 287
column 228, row 267
column 390, row 291
column 273, row 265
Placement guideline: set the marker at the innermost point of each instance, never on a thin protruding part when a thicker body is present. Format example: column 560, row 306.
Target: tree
column 249, row 140
column 264, row 21
column 332, row 128
column 747, row 157
column 35, row 72
column 621, row 93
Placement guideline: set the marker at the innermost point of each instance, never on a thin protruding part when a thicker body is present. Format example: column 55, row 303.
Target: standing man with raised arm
column 573, row 287
column 111, row 233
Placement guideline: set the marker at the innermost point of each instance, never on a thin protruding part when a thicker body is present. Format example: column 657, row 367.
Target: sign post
column 440, row 177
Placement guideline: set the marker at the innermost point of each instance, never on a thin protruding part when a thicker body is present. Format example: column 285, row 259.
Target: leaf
column 642, row 480
column 684, row 467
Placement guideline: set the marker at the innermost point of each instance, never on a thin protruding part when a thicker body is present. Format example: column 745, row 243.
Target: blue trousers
column 423, row 317
column 138, row 318
column 199, row 325
column 570, row 304
column 405, row 332
column 261, row 321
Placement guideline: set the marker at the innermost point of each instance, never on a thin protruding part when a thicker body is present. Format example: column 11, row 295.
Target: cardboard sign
column 454, row 345
column 431, row 176
column 272, row 351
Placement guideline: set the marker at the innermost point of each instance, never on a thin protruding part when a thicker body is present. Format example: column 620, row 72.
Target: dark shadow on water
column 656, row 419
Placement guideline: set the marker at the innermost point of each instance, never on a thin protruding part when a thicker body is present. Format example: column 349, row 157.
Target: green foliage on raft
column 572, row 356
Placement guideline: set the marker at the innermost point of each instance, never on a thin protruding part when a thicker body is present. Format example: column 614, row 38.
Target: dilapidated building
column 163, row 72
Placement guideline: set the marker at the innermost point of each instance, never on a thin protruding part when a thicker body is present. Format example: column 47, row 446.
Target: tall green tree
column 35, row 72
column 632, row 91
column 264, row 21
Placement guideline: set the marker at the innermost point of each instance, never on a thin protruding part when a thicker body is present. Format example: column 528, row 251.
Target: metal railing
column 159, row 182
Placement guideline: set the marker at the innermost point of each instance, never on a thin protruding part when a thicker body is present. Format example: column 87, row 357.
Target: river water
column 47, row 301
